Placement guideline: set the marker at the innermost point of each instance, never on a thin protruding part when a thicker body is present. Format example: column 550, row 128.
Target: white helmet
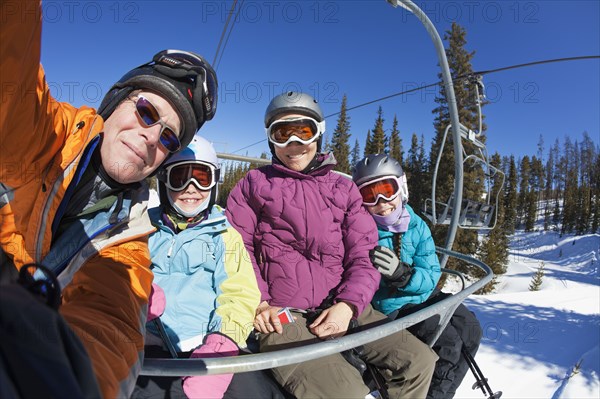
column 198, row 155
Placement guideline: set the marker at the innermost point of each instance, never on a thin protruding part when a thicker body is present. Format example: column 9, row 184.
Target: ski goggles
column 179, row 175
column 304, row 130
column 181, row 63
column 149, row 116
column 386, row 187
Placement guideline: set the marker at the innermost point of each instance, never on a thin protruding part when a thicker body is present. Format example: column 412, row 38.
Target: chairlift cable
column 223, row 34
column 456, row 78
column 584, row 57
column 471, row 74
column 229, row 33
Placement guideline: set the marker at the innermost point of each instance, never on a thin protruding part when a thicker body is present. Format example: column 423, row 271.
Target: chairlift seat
column 473, row 214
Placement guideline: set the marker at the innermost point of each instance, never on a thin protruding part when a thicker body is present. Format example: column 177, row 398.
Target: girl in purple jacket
column 309, row 239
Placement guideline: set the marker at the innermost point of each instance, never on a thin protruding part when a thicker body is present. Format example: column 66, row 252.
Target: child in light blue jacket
column 200, row 262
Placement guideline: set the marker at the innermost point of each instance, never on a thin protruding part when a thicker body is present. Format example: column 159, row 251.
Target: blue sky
column 364, row 49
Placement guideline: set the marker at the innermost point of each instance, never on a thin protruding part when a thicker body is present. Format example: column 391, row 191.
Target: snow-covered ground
column 542, row 344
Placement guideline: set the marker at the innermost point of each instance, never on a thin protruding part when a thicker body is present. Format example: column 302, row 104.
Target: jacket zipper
column 170, row 251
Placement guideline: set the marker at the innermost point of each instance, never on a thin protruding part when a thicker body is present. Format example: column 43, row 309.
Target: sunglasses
column 304, row 130
column 387, row 187
column 179, row 175
column 149, row 117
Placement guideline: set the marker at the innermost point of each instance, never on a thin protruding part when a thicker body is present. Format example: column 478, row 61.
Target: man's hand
column 333, row 322
column 266, row 320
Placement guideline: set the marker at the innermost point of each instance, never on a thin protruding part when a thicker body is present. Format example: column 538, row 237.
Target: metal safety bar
column 260, row 361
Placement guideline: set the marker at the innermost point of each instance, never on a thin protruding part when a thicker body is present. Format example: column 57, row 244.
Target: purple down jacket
column 306, row 234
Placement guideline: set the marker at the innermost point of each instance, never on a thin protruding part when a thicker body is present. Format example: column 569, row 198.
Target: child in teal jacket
column 410, row 270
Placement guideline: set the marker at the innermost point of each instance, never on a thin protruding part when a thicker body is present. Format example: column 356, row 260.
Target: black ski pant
column 462, row 330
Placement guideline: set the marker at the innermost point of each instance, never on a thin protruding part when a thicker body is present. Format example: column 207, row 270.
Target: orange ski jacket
column 106, row 279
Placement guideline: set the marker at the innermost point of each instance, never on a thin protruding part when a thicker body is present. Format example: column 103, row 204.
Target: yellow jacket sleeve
column 238, row 294
column 105, row 302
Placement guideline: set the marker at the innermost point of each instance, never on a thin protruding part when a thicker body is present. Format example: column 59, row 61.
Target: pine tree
column 396, row 143
column 459, row 60
column 355, row 153
column 511, row 198
column 561, row 163
column 547, row 214
column 540, row 169
column 369, row 145
column 556, row 215
column 416, row 172
column 549, row 188
column 523, row 206
column 570, row 204
column 537, row 279
column 378, row 140
column 536, row 179
column 586, row 190
column 326, row 146
column 494, row 249
column 595, row 178
column 339, row 142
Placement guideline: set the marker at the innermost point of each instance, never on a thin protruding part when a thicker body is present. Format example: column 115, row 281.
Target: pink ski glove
column 156, row 302
column 211, row 386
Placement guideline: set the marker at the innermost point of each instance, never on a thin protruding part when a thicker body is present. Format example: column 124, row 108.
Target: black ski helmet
column 293, row 102
column 184, row 78
column 372, row 167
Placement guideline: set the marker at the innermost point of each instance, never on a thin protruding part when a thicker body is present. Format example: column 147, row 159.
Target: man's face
column 131, row 150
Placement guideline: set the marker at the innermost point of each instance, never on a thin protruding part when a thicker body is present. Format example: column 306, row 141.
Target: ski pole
column 482, row 382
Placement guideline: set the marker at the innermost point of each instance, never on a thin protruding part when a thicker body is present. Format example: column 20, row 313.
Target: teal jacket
column 417, row 250
column 208, row 280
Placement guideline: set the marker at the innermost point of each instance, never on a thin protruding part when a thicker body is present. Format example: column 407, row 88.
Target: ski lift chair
column 473, row 213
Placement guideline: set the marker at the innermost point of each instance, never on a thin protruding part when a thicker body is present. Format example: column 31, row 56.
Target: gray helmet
column 185, row 79
column 293, row 102
column 374, row 166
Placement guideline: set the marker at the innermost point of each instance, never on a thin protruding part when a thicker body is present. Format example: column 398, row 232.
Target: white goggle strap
column 402, row 182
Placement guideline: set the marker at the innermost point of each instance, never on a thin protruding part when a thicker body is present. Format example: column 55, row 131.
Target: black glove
column 391, row 268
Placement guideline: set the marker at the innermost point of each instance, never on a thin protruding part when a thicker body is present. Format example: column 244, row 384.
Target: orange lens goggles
column 304, row 130
column 180, row 175
column 387, row 189
column 282, row 132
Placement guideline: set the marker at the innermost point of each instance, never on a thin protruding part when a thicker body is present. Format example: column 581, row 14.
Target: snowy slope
column 542, row 344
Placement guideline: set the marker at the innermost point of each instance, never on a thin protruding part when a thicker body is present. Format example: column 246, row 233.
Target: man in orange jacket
column 76, row 195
